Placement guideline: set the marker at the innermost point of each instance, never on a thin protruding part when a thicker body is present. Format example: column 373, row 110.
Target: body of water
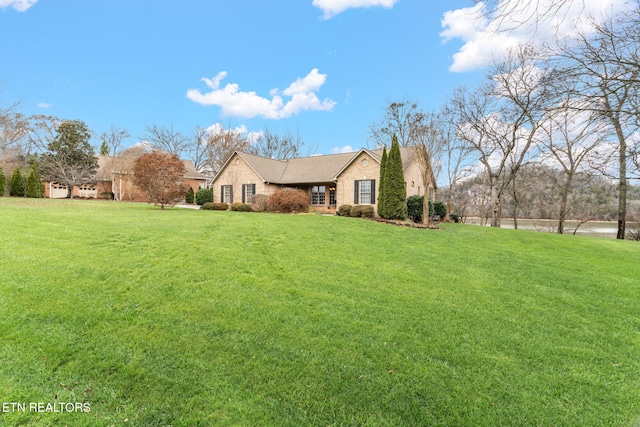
column 606, row 229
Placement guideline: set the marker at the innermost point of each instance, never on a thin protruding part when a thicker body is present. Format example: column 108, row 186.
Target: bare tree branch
column 166, row 139
column 114, row 138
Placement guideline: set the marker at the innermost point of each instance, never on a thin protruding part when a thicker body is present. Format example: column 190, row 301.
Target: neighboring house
column 331, row 180
column 114, row 179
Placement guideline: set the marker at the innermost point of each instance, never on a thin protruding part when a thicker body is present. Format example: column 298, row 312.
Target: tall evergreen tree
column 33, row 187
column 382, row 193
column 396, row 199
column 104, row 148
column 2, row 182
column 16, row 187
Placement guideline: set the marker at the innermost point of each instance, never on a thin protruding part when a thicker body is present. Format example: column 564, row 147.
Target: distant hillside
column 537, row 195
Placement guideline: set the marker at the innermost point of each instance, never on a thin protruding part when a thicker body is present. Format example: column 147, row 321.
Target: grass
column 200, row 318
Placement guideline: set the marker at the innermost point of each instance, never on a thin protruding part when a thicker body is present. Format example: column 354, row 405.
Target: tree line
column 568, row 111
column 59, row 150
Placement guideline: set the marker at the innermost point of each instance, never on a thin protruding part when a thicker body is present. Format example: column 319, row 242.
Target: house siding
column 357, row 171
column 236, row 173
column 413, row 180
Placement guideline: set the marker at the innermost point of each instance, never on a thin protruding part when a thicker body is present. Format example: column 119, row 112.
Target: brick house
column 331, row 180
column 114, row 177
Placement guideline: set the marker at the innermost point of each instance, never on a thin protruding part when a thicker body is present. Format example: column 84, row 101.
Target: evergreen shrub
column 204, row 195
column 190, row 197
column 34, row 185
column 367, row 211
column 214, row 206
column 344, row 210
column 414, row 208
column 356, row 211
column 438, row 208
column 2, row 182
column 16, row 187
column 241, row 207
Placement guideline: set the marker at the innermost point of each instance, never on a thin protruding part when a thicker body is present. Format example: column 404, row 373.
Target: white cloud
column 345, row 149
column 45, row 105
column 487, row 35
column 235, row 103
column 334, row 7
column 19, row 5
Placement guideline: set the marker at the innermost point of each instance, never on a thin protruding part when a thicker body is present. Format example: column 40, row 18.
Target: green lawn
column 201, row 318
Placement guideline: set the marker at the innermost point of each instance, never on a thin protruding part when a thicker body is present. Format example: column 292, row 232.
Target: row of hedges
column 288, row 200
column 285, row 200
column 22, row 186
column 210, row 206
column 414, row 210
column 357, row 211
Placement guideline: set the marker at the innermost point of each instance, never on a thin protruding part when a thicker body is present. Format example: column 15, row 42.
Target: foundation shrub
column 344, row 210
column 287, row 200
column 367, row 211
column 241, row 207
column 214, row 206
column 356, row 211
column 414, row 208
column 204, row 195
column 259, row 202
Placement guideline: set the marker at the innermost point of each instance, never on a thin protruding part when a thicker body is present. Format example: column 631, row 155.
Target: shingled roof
column 323, row 168
column 109, row 165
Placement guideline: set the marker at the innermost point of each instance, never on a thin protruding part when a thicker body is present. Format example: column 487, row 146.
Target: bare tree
column 500, row 119
column 113, row 138
column 220, row 144
column 513, row 14
column 197, row 148
column 607, row 68
column 166, row 139
column 455, row 158
column 13, row 144
column 136, row 150
column 570, row 138
column 403, row 118
column 280, row 147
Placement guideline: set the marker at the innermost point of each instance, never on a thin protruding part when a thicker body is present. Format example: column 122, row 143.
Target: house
column 331, row 180
column 114, row 179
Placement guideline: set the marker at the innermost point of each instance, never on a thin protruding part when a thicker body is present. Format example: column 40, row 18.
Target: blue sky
column 323, row 68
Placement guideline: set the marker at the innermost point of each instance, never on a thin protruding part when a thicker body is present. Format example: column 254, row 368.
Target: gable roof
column 312, row 169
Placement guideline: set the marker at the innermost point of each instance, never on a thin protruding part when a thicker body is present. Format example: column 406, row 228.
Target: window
column 248, row 191
column 318, row 194
column 364, row 192
column 332, row 196
column 226, row 194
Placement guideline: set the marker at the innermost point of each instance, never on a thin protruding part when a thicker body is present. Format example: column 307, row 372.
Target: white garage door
column 58, row 191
